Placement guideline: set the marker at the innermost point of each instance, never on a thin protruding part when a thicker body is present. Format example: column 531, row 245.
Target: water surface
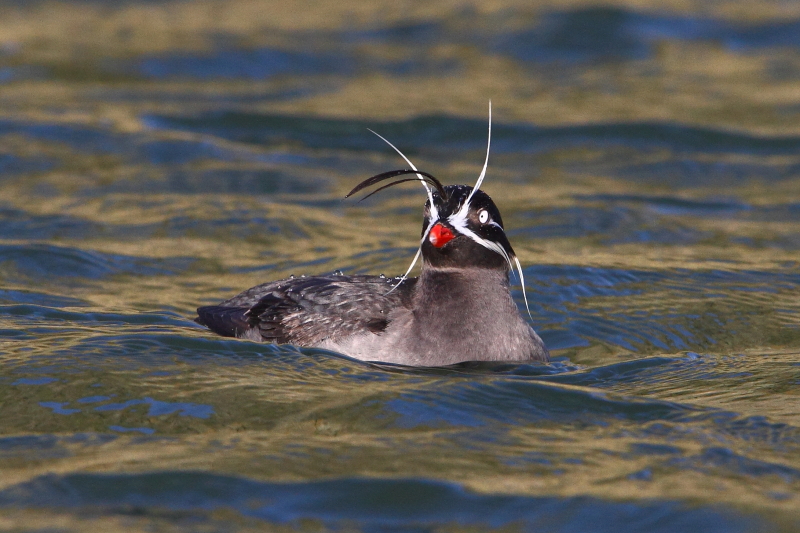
column 155, row 157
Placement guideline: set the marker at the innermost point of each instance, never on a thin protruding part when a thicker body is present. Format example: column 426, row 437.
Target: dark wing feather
column 267, row 315
column 225, row 321
column 307, row 311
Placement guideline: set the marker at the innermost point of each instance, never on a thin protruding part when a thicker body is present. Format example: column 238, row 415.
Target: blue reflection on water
column 158, row 408
column 35, row 381
column 367, row 504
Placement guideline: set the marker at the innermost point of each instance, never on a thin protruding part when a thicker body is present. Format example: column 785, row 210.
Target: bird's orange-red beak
column 439, row 235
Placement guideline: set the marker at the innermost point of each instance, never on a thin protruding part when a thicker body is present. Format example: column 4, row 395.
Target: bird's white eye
column 483, row 216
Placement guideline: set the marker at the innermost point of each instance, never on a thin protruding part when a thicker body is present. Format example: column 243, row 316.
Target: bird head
column 464, row 229
column 461, row 225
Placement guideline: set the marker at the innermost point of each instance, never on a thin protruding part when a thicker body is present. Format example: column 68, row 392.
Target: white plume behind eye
column 460, row 217
column 434, row 212
column 459, row 221
column 486, row 162
column 416, row 256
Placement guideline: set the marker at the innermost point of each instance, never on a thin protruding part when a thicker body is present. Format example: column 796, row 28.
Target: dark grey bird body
column 434, row 320
column 459, row 309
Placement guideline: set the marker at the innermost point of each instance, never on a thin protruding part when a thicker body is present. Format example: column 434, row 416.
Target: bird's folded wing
column 307, row 311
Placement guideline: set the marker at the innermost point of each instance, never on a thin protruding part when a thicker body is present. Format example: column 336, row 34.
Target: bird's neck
column 455, row 286
column 468, row 314
column 449, row 300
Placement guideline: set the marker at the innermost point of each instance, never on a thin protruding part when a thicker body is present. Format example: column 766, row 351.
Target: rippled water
column 158, row 156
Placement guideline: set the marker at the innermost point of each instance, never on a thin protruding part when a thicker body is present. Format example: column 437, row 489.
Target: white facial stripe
column 434, row 212
column 428, row 229
column 491, row 245
column 459, row 219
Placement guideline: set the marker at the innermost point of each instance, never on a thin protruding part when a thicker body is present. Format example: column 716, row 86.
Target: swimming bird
column 459, row 309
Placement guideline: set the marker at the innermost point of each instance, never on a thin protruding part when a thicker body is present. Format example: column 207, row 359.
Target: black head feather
column 425, row 177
